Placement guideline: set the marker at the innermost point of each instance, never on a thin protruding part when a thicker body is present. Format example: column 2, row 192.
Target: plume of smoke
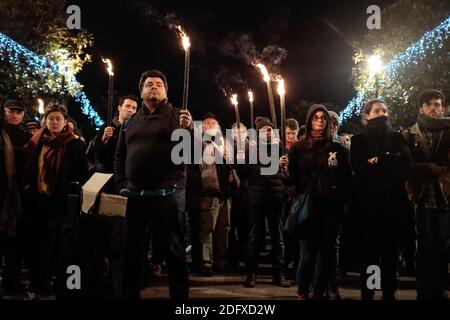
column 169, row 20
column 229, row 80
column 243, row 48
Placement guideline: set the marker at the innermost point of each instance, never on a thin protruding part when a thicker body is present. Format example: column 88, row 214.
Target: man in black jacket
column 265, row 200
column 429, row 143
column 101, row 149
column 154, row 184
column 14, row 112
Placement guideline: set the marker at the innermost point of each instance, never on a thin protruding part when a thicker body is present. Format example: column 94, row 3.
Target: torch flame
column 250, row 95
column 281, row 90
column 110, row 67
column 184, row 39
column 263, row 70
column 41, row 106
column 234, row 99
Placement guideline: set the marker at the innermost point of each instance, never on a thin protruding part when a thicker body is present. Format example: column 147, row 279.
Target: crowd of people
column 377, row 198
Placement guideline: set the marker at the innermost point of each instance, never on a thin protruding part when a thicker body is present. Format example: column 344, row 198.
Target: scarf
column 433, row 124
column 54, row 156
column 317, row 135
column 376, row 131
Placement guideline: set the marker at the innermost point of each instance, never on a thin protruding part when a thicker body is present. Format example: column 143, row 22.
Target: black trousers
column 431, row 258
column 54, row 246
column 167, row 215
column 238, row 236
column 272, row 209
column 379, row 247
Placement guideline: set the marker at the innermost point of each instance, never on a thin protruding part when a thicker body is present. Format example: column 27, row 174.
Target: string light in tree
column 428, row 44
column 19, row 56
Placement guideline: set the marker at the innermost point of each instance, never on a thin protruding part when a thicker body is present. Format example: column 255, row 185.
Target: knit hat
column 263, row 121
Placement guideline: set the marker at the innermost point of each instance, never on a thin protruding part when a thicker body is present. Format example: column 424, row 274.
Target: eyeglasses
column 315, row 118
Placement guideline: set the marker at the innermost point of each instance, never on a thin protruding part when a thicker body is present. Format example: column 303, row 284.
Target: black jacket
column 143, row 154
column 380, row 185
column 329, row 170
column 19, row 139
column 101, row 156
column 261, row 187
column 325, row 173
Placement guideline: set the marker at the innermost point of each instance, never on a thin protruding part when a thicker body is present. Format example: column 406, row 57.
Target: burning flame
column 250, row 95
column 281, row 90
column 110, row 67
column 263, row 70
column 234, row 99
column 184, row 39
column 41, row 106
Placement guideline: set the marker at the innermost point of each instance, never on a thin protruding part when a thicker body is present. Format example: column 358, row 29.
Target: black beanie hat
column 263, row 121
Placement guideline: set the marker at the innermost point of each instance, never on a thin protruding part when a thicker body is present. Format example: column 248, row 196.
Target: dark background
column 317, row 35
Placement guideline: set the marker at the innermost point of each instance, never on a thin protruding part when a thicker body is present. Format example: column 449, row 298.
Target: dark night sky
column 317, row 67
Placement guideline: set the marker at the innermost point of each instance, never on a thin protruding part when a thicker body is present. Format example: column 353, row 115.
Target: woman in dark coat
column 379, row 159
column 320, row 165
column 55, row 159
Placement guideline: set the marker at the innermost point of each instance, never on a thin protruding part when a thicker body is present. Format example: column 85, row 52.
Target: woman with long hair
column 319, row 167
column 55, row 160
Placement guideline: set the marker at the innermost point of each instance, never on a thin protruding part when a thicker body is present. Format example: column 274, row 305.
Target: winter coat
column 379, row 187
column 261, row 187
column 73, row 169
column 421, row 172
column 101, row 156
column 10, row 206
column 143, row 154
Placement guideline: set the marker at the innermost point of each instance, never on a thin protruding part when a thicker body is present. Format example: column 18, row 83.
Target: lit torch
column 234, row 101
column 110, row 88
column 282, row 93
column 266, row 78
column 41, row 109
column 187, row 49
column 250, row 99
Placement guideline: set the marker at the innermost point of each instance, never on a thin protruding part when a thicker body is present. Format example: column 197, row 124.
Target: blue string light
column 429, row 43
column 18, row 55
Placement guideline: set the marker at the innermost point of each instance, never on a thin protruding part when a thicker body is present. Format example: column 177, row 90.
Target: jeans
column 165, row 214
column 316, row 263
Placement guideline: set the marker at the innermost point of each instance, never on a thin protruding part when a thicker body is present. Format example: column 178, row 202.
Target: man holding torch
column 154, row 185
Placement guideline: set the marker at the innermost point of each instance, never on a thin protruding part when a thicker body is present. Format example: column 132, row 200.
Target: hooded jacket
column 321, row 168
